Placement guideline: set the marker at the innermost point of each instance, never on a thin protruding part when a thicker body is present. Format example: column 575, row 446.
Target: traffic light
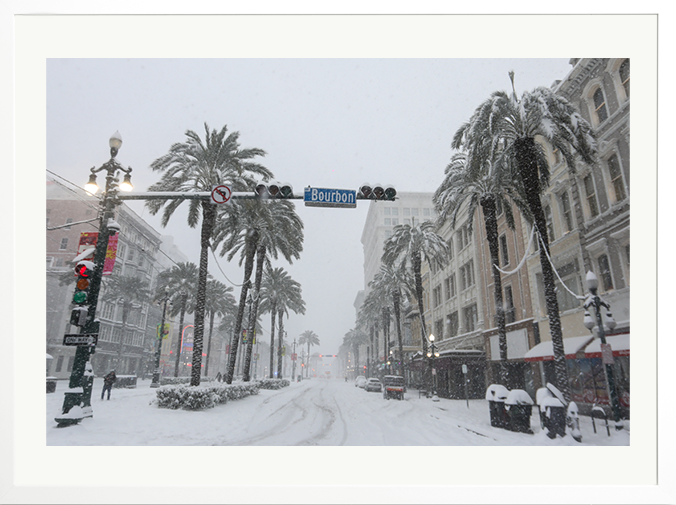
column 83, row 270
column 274, row 190
column 377, row 192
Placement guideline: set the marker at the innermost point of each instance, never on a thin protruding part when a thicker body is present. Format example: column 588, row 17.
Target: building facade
column 126, row 346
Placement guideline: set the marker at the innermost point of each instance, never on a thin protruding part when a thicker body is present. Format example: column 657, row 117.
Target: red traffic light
column 84, row 268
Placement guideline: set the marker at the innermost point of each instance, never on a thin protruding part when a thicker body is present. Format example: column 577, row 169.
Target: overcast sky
column 332, row 123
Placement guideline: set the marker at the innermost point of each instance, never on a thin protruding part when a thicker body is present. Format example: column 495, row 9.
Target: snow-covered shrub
column 202, row 397
column 166, row 381
column 273, row 383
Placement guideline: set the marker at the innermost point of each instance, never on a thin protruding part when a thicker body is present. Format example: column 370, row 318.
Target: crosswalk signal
column 274, row 190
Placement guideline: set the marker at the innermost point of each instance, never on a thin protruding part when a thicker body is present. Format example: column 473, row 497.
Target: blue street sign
column 322, row 197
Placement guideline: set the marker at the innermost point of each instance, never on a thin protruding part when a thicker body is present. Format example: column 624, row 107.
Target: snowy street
column 317, row 412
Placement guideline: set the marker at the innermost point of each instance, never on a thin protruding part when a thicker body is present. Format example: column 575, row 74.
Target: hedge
column 273, row 383
column 202, row 397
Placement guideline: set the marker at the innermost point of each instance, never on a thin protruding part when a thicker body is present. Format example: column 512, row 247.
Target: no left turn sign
column 220, row 194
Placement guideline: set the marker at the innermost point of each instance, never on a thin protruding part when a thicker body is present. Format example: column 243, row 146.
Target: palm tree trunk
column 273, row 313
column 280, row 343
column 180, row 334
column 370, row 361
column 253, row 316
column 248, row 268
column 208, row 218
column 417, row 264
column 396, row 297
column 527, row 163
column 212, row 315
column 491, row 223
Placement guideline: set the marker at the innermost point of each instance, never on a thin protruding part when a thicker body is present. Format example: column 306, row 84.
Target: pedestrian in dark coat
column 108, row 382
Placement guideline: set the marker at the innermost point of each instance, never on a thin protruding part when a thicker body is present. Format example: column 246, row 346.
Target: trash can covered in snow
column 553, row 416
column 519, row 406
column 496, row 395
column 51, row 384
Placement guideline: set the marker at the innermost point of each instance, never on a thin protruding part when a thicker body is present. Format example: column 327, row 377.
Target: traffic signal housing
column 274, row 190
column 83, row 271
column 377, row 192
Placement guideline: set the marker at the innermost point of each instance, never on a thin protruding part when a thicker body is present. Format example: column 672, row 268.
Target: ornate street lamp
column 80, row 384
column 156, row 375
column 595, row 301
column 432, row 353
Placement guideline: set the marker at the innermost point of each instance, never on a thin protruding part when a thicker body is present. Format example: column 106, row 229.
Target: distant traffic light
column 377, row 192
column 274, row 190
column 83, row 270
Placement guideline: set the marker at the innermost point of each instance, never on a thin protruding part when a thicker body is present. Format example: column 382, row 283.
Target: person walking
column 108, row 382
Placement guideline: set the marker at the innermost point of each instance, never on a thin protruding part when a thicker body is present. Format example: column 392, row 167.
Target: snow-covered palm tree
column 181, row 281
column 411, row 244
column 509, row 127
column 197, row 166
column 480, row 182
column 130, row 292
column 279, row 294
column 257, row 228
column 354, row 339
column 392, row 283
column 219, row 302
column 310, row 338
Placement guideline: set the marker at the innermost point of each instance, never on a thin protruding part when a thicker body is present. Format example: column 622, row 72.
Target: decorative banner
column 167, row 329
column 294, row 356
column 88, row 240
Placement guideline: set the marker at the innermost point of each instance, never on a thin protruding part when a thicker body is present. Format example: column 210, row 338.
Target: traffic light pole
column 82, row 378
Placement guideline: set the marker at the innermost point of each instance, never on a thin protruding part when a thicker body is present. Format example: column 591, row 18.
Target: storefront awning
column 589, row 346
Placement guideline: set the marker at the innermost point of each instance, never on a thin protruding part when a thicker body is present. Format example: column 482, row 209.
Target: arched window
column 624, row 76
column 600, row 105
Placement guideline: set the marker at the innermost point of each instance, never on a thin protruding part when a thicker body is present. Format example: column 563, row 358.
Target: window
column 395, row 211
column 467, row 275
column 453, row 324
column 510, row 311
column 591, row 196
column 624, row 76
column 407, row 220
column 395, row 221
column 600, row 105
column 59, row 262
column 130, row 256
column 450, row 287
column 464, row 237
column 503, row 250
column 426, row 212
column 387, row 211
column 439, row 329
column 407, row 211
column 414, row 212
column 469, row 316
column 498, row 207
column 566, row 211
column 69, row 220
column 550, row 222
column 388, row 221
column 64, row 243
column 50, row 259
column 604, row 270
column 616, row 178
column 59, row 364
column 436, row 296
column 558, row 157
column 71, row 360
column 451, row 251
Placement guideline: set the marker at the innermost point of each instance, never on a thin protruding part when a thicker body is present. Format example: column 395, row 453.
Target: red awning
column 588, row 345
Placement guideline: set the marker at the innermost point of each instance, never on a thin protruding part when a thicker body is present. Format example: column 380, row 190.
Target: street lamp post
column 595, row 301
column 432, row 353
column 80, row 386
column 156, row 375
column 293, row 370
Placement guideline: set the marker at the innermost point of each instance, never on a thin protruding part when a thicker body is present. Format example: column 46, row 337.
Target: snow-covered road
column 319, row 412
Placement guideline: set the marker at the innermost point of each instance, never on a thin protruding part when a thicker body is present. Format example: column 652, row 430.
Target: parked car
column 393, row 387
column 360, row 381
column 373, row 385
